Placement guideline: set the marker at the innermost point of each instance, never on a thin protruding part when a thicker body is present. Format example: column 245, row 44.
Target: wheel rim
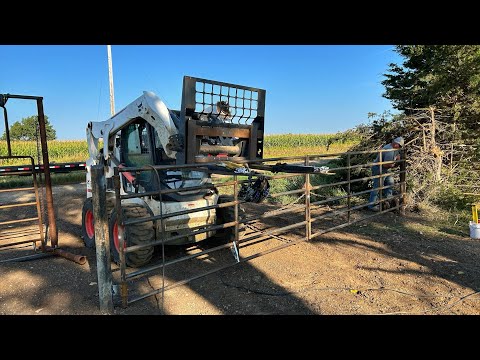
column 116, row 242
column 89, row 224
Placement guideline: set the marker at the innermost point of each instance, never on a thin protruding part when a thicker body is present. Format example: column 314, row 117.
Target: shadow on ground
column 388, row 251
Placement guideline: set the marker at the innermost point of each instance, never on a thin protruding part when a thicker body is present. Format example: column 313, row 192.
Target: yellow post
column 475, row 213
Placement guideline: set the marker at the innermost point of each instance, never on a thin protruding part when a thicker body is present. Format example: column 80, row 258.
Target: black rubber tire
column 135, row 234
column 87, row 216
column 226, row 215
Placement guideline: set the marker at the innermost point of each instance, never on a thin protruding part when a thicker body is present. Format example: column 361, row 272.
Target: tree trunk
column 437, row 152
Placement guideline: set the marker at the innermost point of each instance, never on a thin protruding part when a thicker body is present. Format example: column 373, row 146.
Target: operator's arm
column 391, row 165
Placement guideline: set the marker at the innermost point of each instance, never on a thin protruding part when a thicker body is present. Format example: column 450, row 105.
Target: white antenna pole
column 110, row 80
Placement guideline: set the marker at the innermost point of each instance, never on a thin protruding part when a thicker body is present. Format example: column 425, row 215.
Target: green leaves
column 444, row 76
column 26, row 129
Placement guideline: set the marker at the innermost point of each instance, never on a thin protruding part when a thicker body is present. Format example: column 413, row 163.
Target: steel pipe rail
column 307, row 222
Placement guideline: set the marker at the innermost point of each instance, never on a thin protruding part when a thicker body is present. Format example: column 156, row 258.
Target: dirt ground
column 388, row 265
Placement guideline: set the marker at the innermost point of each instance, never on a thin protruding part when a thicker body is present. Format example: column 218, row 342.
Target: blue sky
column 310, row 89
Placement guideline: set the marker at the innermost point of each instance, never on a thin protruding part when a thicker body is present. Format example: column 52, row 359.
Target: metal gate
column 13, row 233
column 313, row 209
column 31, row 230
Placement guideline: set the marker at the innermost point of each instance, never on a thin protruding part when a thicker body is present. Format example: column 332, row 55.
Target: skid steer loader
column 217, row 122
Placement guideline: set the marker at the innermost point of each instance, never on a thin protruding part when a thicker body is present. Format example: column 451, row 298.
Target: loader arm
column 150, row 108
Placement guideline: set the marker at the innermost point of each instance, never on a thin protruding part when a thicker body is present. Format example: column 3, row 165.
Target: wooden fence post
column 102, row 244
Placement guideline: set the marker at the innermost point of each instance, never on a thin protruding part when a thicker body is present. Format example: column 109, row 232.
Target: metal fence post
column 380, row 183
column 102, row 244
column 349, row 190
column 121, row 238
column 237, row 225
column 308, row 225
column 52, row 224
column 7, row 130
column 403, row 185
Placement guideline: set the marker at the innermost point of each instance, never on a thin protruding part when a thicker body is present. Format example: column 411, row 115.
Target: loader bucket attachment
column 220, row 121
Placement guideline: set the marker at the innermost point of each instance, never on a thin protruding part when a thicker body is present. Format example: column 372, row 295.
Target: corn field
column 59, row 151
column 308, row 140
column 62, row 151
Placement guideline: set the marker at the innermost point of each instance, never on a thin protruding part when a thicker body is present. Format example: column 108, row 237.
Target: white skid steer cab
column 218, row 123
